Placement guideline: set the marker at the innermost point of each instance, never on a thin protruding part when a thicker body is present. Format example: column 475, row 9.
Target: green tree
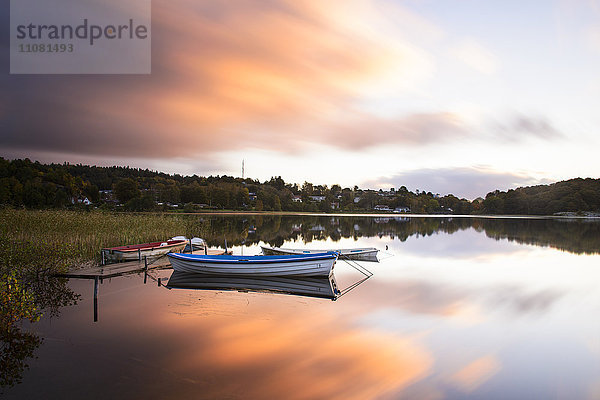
column 143, row 203
column 91, row 192
column 126, row 189
column 276, row 203
column 277, row 183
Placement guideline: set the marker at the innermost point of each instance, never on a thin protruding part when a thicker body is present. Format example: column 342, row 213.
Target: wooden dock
column 129, row 267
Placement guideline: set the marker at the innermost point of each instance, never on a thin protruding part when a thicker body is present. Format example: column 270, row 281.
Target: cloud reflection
column 297, row 354
column 476, row 373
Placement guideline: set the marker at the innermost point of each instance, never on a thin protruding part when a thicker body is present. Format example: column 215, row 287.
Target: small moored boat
column 139, row 251
column 358, row 254
column 197, row 243
column 320, row 264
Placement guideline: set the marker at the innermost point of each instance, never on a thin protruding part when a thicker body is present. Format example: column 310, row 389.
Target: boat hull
column 286, row 265
column 359, row 254
column 197, row 243
column 320, row 287
column 138, row 252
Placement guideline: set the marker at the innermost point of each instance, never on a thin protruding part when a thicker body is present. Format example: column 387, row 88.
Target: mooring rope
column 349, row 288
column 355, row 265
column 156, row 259
column 389, row 255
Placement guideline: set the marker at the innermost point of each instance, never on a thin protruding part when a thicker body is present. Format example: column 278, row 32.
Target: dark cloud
column 224, row 76
column 521, row 126
column 274, row 75
column 462, row 182
column 414, row 129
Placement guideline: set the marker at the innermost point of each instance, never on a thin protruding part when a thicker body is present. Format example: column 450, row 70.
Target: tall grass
column 65, row 239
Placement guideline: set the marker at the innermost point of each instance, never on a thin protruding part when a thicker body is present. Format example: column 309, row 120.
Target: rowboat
column 313, row 286
column 320, row 264
column 139, row 251
column 359, row 254
column 197, row 243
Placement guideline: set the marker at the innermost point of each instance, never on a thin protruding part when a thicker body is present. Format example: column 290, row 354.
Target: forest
column 29, row 184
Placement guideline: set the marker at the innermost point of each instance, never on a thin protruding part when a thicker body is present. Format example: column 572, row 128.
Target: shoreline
column 367, row 214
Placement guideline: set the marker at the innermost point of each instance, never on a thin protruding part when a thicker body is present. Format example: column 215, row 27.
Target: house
column 401, row 210
column 382, row 208
column 296, row 198
column 80, row 200
column 296, row 228
column 252, row 196
column 108, row 196
column 317, row 198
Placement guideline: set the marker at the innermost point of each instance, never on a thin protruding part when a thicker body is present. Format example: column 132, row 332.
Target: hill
column 571, row 196
column 24, row 183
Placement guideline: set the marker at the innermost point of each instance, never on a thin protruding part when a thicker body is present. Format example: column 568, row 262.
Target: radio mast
column 242, row 168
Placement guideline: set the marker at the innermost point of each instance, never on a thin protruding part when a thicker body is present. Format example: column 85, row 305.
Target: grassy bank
column 60, row 240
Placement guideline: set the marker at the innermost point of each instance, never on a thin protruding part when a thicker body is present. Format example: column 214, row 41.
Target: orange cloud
column 272, row 75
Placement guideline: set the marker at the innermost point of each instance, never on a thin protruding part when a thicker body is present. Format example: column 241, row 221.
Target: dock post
column 96, row 298
column 145, row 269
column 139, row 254
column 205, row 249
column 225, row 245
column 191, row 247
column 159, row 281
column 103, row 257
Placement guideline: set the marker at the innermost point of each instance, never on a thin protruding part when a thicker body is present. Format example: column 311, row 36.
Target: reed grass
column 63, row 240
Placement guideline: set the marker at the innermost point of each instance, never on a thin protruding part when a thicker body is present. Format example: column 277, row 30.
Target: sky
column 460, row 96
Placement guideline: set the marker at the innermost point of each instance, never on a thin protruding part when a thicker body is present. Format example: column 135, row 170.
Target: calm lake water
column 456, row 308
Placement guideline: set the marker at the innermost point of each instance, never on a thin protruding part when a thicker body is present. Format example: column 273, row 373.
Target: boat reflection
column 320, row 287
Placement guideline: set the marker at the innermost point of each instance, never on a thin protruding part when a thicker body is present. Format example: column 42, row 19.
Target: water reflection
column 286, row 349
column 579, row 236
column 464, row 309
column 321, row 287
column 314, row 286
column 25, row 296
column 16, row 304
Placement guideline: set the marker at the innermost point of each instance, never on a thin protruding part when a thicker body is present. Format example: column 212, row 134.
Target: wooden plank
column 129, row 267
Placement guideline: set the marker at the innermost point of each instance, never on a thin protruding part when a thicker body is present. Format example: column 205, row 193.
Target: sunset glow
column 463, row 97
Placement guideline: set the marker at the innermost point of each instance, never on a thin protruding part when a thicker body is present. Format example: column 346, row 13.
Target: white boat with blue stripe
column 319, row 264
column 357, row 254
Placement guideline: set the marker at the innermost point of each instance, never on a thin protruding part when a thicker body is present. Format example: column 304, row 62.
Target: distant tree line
column 35, row 185
column 574, row 195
